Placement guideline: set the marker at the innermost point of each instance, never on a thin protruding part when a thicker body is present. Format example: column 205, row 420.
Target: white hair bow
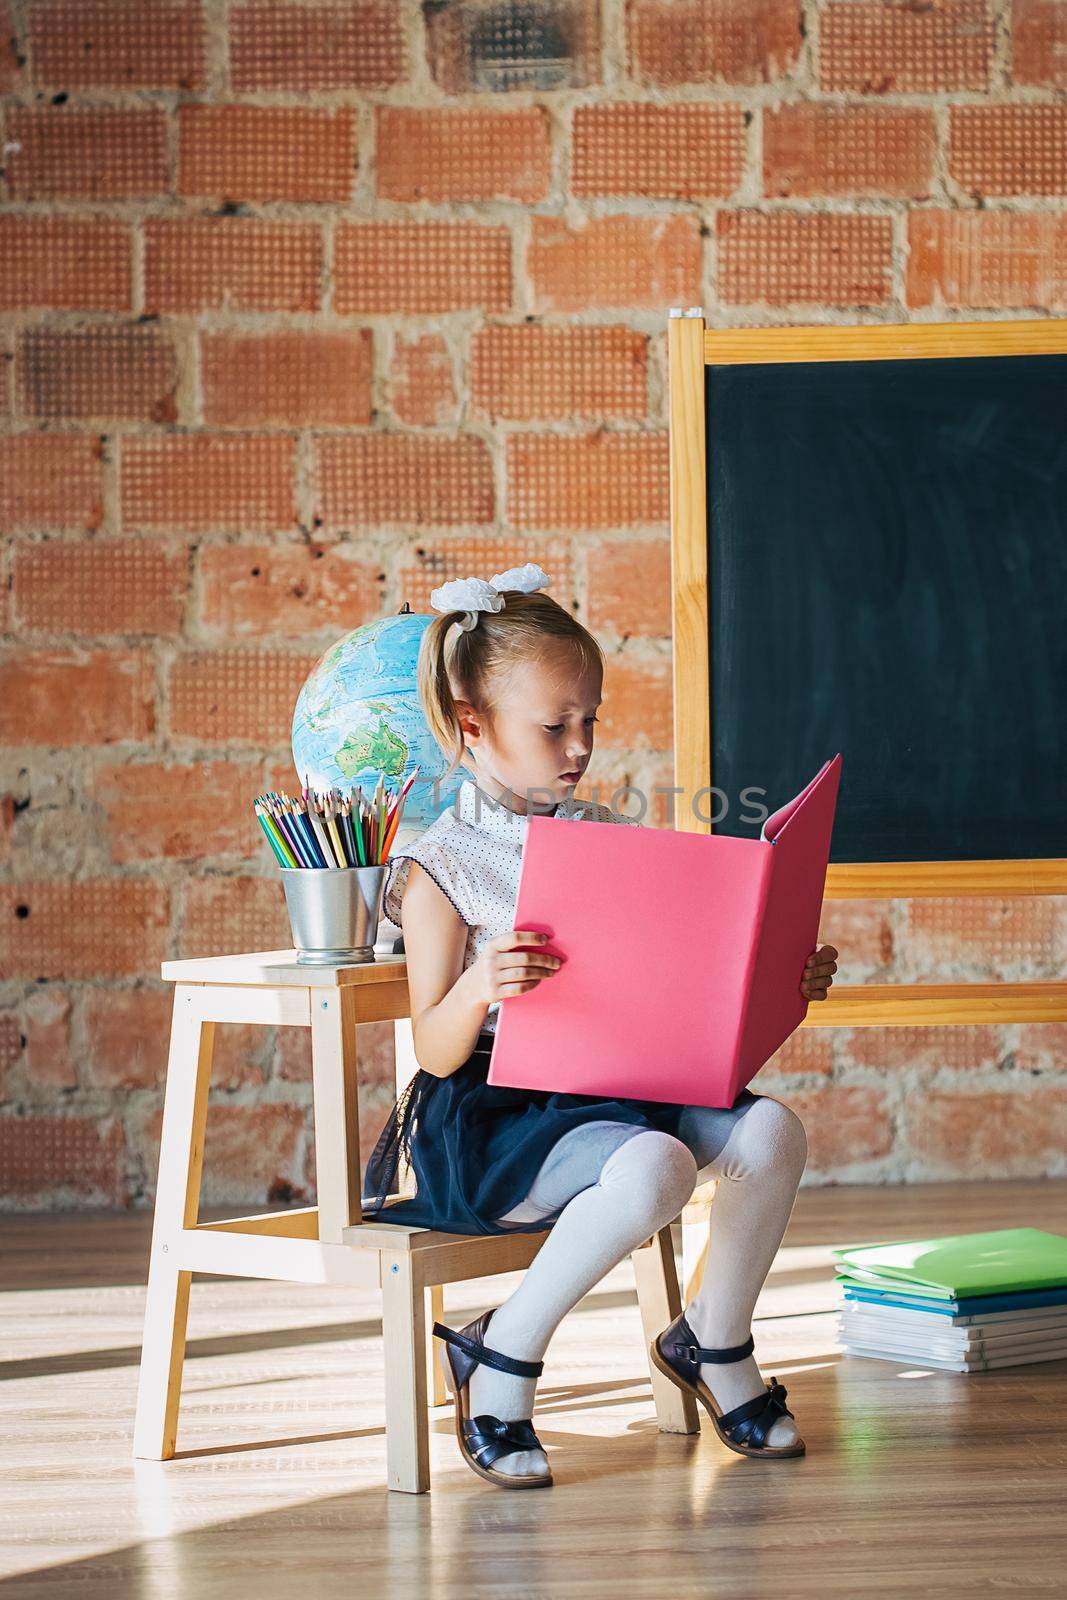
column 473, row 595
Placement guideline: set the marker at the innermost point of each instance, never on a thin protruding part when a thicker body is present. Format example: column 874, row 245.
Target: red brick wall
column 310, row 306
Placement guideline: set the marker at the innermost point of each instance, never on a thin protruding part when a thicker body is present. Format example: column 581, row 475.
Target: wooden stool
column 330, row 1242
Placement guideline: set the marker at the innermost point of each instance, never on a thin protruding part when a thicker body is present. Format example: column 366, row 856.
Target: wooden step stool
column 329, row 1242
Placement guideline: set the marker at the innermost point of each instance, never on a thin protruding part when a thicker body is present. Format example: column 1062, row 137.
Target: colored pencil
column 330, row 829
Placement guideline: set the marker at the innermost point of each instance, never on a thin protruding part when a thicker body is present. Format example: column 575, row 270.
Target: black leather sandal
column 678, row 1356
column 486, row 1439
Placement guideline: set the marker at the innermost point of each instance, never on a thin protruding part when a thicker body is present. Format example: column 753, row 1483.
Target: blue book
column 965, row 1305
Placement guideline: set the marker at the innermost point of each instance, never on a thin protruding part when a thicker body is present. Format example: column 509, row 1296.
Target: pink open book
column 683, row 953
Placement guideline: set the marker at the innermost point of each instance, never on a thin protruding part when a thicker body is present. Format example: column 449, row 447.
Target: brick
column 7, row 828
column 236, row 152
column 177, row 810
column 981, row 938
column 107, row 372
column 239, row 1055
column 419, row 268
column 93, row 153
column 128, row 1038
column 977, row 1135
column 675, row 152
column 281, row 777
column 49, row 1060
column 247, row 1149
column 99, row 587
column 1005, row 150
column 809, row 1050
column 50, row 480
column 62, row 1161
column 293, row 378
column 231, row 264
column 349, row 45
column 811, row 149
column 971, row 1048
column 862, row 932
column 588, row 480
column 9, row 59
column 525, row 373
column 470, row 154
column 636, row 713
column 483, row 46
column 101, row 44
column 287, row 591
column 65, row 263
column 77, row 697
column 422, row 384
column 12, row 1041
column 893, row 47
column 782, row 258
column 648, row 797
column 209, row 483
column 629, row 587
column 713, row 41
column 127, row 1033
column 1042, row 1048
column 1039, row 43
column 226, row 916
column 113, row 928
column 997, row 259
column 438, row 563
column 235, row 696
column 844, row 1125
column 377, row 1056
column 628, row 261
column 365, row 480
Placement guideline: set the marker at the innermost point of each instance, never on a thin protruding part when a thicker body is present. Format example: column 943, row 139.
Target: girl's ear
column 468, row 719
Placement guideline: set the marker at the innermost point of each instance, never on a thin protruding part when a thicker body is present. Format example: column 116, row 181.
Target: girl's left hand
column 817, row 972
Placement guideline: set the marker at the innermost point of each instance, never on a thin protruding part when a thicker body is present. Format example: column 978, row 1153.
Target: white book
column 883, row 1331
column 955, row 1364
column 904, row 1317
column 951, row 1347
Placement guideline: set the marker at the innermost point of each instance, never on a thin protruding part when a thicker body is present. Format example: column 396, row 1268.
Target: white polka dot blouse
column 473, row 852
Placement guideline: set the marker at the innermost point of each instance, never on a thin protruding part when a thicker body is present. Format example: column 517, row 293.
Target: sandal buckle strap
column 487, row 1357
column 735, row 1352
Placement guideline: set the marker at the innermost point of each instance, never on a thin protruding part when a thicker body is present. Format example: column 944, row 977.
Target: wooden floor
column 916, row 1482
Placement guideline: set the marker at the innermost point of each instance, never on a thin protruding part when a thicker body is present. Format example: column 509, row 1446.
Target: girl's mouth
column 570, row 777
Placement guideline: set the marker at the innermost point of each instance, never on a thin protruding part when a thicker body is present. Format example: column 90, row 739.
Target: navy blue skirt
column 475, row 1148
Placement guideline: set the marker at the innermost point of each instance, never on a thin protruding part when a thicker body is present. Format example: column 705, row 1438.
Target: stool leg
column 181, row 1154
column 435, row 1378
column 660, row 1300
column 407, row 1425
column 336, row 1106
column 696, row 1222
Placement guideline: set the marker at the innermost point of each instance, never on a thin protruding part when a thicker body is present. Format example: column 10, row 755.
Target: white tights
column 614, row 1185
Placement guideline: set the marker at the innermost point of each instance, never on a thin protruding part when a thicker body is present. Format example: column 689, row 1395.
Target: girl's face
column 543, row 721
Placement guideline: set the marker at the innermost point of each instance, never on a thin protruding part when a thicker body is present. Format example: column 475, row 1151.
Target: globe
column 359, row 714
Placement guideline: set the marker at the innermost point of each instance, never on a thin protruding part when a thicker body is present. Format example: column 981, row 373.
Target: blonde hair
column 477, row 659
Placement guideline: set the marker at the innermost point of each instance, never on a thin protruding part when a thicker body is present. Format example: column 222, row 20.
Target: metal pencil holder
column 333, row 912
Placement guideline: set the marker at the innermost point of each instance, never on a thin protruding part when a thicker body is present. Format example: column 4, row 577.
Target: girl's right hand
column 512, row 963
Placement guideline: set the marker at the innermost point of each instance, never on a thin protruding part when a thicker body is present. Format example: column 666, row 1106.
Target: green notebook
column 964, row 1263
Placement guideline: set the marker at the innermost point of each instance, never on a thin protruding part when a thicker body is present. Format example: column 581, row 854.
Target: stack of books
column 966, row 1302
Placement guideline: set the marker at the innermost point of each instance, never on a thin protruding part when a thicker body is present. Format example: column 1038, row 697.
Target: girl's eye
column 555, row 727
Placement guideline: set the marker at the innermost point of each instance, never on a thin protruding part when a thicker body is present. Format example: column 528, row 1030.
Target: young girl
column 510, row 683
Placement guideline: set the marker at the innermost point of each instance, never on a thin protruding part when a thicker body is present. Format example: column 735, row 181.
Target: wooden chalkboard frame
column 692, row 347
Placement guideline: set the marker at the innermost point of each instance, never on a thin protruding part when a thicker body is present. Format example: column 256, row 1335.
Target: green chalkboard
column 887, row 577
